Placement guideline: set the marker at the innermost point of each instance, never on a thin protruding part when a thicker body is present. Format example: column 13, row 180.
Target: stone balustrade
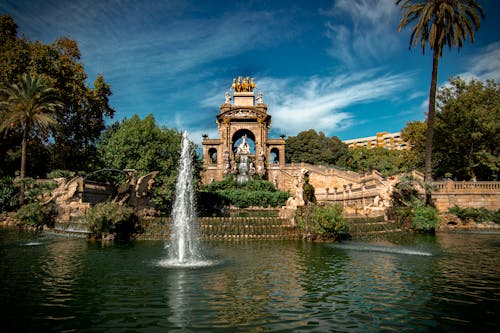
column 466, row 195
column 451, row 186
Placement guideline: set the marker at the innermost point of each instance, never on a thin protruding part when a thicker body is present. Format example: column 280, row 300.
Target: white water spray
column 184, row 247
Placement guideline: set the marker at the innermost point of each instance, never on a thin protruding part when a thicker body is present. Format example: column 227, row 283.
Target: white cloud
column 320, row 102
column 371, row 34
column 486, row 64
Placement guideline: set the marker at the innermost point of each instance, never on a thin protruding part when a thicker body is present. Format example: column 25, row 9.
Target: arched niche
column 212, row 156
column 237, row 139
column 274, row 156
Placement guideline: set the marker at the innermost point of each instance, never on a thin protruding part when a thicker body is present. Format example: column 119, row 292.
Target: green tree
column 414, row 134
column 142, row 145
column 29, row 106
column 14, row 53
column 438, row 23
column 315, row 148
column 81, row 118
column 383, row 160
column 467, row 137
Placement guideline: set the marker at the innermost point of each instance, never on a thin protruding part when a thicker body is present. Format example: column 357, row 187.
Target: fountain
column 183, row 235
column 184, row 246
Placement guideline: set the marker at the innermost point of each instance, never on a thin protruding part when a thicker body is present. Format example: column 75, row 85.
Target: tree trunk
column 23, row 165
column 430, row 117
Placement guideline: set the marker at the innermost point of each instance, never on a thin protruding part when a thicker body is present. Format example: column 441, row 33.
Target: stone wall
column 370, row 193
column 466, row 195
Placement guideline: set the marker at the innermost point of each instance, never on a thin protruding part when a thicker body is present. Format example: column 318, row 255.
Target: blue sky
column 337, row 66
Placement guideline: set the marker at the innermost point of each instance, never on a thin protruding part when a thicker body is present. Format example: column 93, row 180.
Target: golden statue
column 243, row 84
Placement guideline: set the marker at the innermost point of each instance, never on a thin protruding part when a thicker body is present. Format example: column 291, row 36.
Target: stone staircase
column 364, row 227
column 225, row 228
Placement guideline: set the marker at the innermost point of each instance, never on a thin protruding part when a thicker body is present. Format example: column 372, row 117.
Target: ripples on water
column 447, row 282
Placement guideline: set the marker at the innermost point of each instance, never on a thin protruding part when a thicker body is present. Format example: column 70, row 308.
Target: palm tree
column 28, row 105
column 438, row 23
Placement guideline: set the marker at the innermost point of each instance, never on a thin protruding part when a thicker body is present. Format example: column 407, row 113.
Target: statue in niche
column 244, row 147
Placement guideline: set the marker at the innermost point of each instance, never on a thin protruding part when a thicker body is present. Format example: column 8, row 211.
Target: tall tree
column 28, row 105
column 315, row 148
column 81, row 119
column 414, row 134
column 467, row 144
column 142, row 145
column 383, row 160
column 438, row 23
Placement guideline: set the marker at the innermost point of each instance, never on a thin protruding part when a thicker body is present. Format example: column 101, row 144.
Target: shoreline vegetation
column 448, row 222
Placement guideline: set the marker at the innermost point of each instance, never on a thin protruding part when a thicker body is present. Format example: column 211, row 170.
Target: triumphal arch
column 243, row 124
column 244, row 149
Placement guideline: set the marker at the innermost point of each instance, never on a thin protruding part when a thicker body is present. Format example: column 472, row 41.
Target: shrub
column 309, row 195
column 9, row 195
column 424, row 218
column 322, row 220
column 405, row 193
column 210, row 203
column 476, row 214
column 259, row 193
column 60, row 174
column 111, row 218
column 35, row 215
column 34, row 190
column 401, row 214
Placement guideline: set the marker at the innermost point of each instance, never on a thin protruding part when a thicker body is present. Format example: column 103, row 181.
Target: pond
column 413, row 283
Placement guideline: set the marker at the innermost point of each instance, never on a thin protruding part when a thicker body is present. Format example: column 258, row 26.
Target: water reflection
column 260, row 282
column 178, row 299
column 65, row 285
column 472, row 262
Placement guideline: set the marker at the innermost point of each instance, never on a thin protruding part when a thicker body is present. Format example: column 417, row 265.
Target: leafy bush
column 309, row 195
column 476, row 214
column 34, row 190
column 210, row 204
column 424, row 218
column 405, row 193
column 259, row 193
column 111, row 218
column 60, row 174
column 35, row 215
column 9, row 195
column 322, row 220
column 401, row 214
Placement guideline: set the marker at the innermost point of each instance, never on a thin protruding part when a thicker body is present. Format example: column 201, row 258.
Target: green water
column 415, row 283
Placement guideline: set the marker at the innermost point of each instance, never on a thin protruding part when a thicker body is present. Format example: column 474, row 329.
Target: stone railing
column 466, row 195
column 451, row 186
column 446, row 194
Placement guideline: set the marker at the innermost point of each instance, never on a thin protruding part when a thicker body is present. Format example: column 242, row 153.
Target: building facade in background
column 391, row 141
